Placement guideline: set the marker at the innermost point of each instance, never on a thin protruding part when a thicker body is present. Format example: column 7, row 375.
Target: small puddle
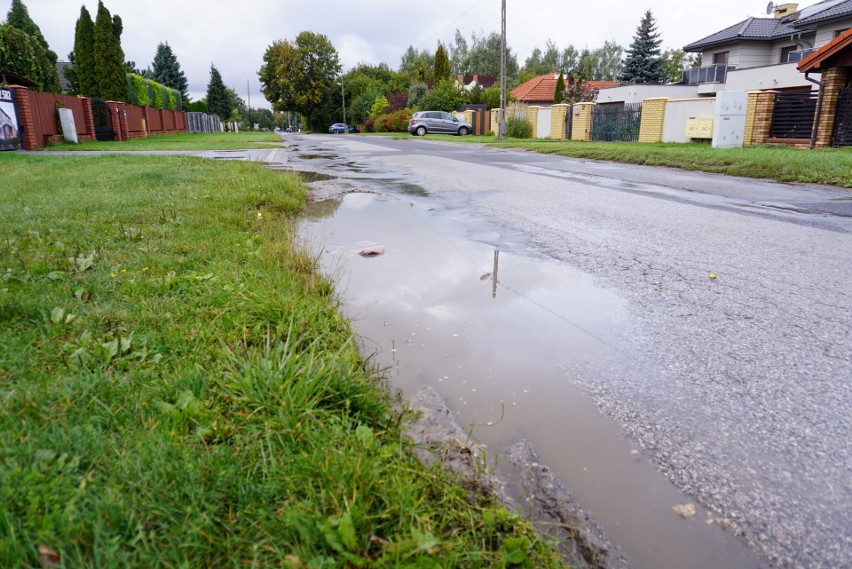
column 317, row 156
column 308, row 176
column 501, row 336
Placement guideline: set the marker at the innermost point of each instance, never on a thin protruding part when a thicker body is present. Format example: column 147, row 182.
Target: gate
column 103, row 120
column 569, row 123
column 843, row 120
column 793, row 116
column 616, row 122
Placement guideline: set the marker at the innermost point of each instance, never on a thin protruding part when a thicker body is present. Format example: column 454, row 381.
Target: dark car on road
column 437, row 122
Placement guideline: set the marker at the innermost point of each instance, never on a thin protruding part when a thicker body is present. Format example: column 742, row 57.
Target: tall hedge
column 147, row 93
column 108, row 56
column 84, row 55
column 22, row 54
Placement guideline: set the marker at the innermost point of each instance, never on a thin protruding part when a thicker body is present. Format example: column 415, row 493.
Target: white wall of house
column 829, row 32
column 780, row 76
column 678, row 112
column 638, row 93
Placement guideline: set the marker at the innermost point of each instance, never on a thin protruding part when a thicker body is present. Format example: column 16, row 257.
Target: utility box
column 699, row 128
column 730, row 117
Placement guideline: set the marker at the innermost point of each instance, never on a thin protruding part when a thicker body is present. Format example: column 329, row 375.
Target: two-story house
column 761, row 53
column 755, row 54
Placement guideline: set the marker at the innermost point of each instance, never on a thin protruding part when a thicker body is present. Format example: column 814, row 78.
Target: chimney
column 782, row 10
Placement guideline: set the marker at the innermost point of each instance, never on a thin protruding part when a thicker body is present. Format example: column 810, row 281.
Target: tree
column 166, row 70
column 19, row 17
column 22, row 54
column 416, row 64
column 676, row 61
column 441, row 65
column 643, row 63
column 300, row 76
column 84, row 54
column 217, row 96
column 602, row 64
column 458, row 53
column 446, row 96
column 108, row 56
column 483, row 58
column 559, row 93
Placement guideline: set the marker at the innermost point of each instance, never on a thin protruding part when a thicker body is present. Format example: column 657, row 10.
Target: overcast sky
column 234, row 35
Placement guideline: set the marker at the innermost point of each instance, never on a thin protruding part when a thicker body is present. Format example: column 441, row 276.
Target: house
column 539, row 91
column 761, row 53
column 64, row 84
column 8, row 127
column 755, row 54
column 471, row 81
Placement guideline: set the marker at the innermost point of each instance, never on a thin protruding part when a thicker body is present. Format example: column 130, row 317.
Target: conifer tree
column 108, row 56
column 217, row 96
column 643, row 63
column 441, row 65
column 166, row 70
column 84, row 55
column 19, row 17
column 559, row 93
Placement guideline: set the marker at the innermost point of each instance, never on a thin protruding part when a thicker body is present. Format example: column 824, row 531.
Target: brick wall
column 653, row 118
column 582, row 126
column 558, row 115
column 758, row 117
column 532, row 120
column 833, row 81
column 25, row 117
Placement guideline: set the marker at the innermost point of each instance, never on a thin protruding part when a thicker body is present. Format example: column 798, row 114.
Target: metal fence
column 706, row 74
column 202, row 122
column 842, row 135
column 616, row 122
column 793, row 116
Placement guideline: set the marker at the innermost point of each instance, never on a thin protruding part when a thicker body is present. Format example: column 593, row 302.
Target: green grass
column 178, row 389
column 181, row 141
column 832, row 166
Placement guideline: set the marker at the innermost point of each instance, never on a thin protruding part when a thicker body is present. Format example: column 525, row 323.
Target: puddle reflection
column 491, row 330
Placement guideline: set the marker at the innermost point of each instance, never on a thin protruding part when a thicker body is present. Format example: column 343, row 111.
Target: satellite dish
column 770, row 8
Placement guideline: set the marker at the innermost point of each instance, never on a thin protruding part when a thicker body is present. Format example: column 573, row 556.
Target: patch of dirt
column 544, row 497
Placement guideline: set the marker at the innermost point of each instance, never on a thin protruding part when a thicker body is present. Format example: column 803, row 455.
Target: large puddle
column 461, row 305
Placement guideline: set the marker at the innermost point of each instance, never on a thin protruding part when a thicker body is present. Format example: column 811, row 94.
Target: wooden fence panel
column 155, row 123
column 135, row 116
column 46, row 117
column 169, row 121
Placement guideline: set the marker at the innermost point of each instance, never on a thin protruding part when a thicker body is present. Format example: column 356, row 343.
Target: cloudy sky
column 234, row 35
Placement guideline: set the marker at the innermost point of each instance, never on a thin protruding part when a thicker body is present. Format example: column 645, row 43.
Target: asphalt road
column 742, row 388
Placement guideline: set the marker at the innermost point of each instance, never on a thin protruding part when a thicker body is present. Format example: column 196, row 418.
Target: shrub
column 518, row 128
column 158, row 96
column 379, row 106
column 23, row 55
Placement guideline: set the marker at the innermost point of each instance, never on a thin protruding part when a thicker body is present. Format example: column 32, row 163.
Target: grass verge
column 832, row 166
column 178, row 388
column 180, row 141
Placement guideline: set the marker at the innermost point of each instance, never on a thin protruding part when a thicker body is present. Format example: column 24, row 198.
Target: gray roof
column 768, row 29
column 823, row 12
column 752, row 29
column 64, row 85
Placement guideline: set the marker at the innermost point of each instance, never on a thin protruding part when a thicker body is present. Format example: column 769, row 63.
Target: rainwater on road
column 526, row 333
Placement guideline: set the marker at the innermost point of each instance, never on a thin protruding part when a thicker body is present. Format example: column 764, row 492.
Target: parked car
column 437, row 122
column 338, row 128
column 353, row 128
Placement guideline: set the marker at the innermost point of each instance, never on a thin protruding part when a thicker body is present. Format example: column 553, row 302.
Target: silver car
column 437, row 122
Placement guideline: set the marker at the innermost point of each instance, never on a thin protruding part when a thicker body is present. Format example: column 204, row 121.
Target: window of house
column 785, row 53
column 839, row 33
column 720, row 58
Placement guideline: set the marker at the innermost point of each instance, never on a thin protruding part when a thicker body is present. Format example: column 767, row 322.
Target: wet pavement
column 734, row 388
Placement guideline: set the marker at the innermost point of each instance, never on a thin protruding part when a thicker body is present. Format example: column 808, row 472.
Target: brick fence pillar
column 833, row 81
column 532, row 120
column 582, row 126
column 114, row 119
column 26, row 120
column 653, row 117
column 558, row 116
column 122, row 121
column 88, row 118
column 761, row 104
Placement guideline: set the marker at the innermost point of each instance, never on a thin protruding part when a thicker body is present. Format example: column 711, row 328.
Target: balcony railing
column 706, row 74
column 795, row 56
